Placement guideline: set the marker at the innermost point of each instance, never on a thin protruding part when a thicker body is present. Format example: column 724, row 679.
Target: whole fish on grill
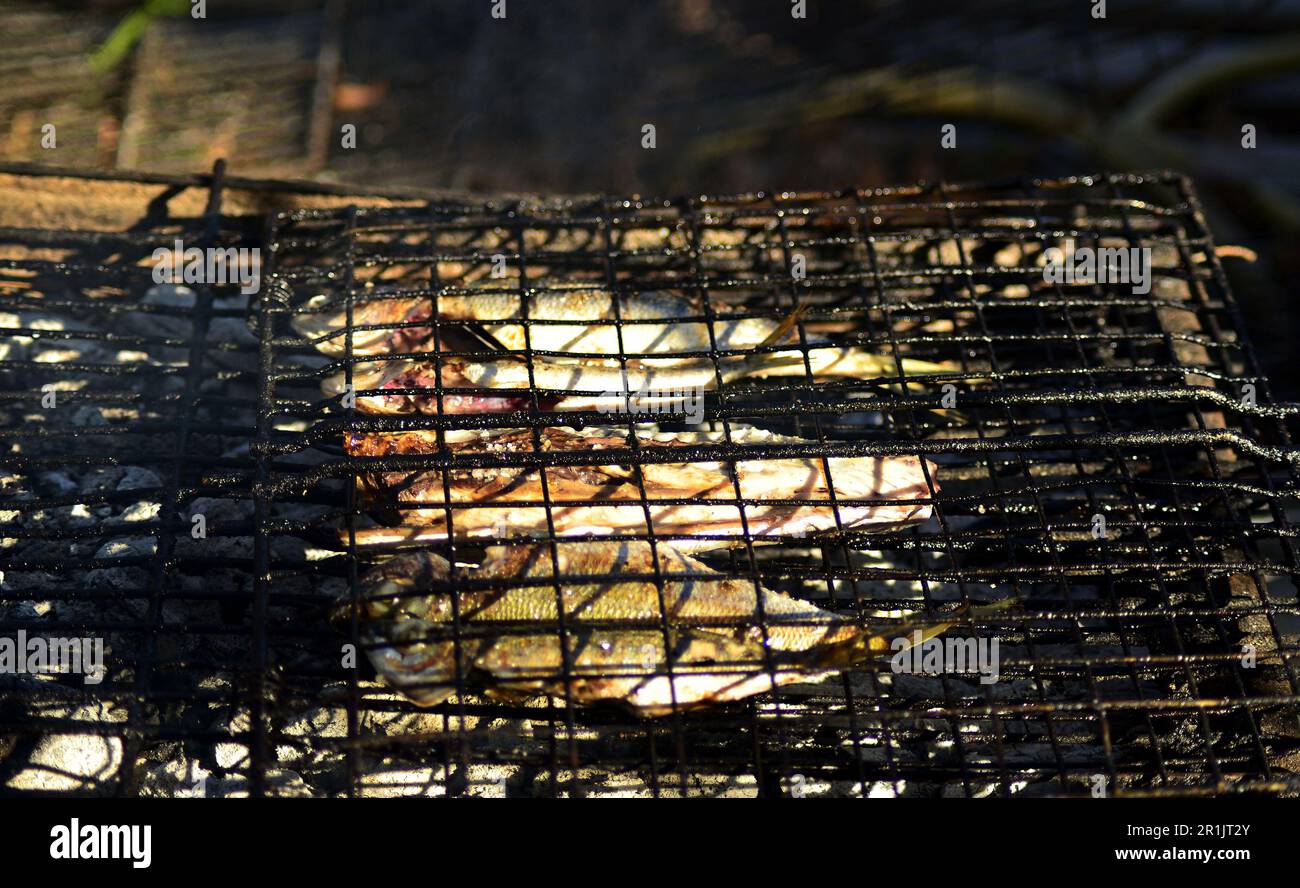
column 721, row 638
column 565, row 258
column 791, row 495
column 582, row 331
column 652, row 383
column 581, row 321
column 589, row 322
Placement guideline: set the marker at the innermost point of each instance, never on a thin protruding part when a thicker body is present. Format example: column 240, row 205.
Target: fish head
column 399, row 589
column 421, row 379
column 379, row 324
column 370, row 376
column 404, row 623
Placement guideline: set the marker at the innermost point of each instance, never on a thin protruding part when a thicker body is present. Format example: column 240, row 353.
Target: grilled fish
column 723, row 639
column 580, row 321
column 571, row 384
column 696, row 498
column 559, row 256
column 579, row 330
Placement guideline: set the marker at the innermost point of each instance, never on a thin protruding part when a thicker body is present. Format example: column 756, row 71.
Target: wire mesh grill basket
column 1100, row 483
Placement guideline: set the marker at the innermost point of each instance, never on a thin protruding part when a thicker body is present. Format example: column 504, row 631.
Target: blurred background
column 743, row 94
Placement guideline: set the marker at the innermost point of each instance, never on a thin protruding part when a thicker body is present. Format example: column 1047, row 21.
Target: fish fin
column 873, row 645
column 379, row 500
column 479, row 334
column 851, row 361
column 829, row 361
column 512, row 695
column 783, row 329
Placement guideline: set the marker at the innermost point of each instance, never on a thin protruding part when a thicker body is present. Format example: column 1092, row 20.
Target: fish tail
column 848, row 362
column 874, row 646
column 784, row 328
column 841, row 361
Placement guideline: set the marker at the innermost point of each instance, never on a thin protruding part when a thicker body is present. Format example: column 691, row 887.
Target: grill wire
column 1121, row 660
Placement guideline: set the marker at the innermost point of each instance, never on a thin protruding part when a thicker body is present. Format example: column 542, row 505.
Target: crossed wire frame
column 128, row 412
column 1155, row 656
column 122, row 411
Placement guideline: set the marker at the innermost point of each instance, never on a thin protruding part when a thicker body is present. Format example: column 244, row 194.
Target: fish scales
column 725, row 638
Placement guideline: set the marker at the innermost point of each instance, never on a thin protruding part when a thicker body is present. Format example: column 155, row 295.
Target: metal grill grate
column 1075, row 402
column 1121, row 660
column 125, row 410
column 122, row 415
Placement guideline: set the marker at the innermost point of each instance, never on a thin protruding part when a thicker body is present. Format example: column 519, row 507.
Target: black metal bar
column 1121, row 658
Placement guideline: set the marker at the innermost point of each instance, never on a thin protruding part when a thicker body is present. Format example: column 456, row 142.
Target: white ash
column 71, row 762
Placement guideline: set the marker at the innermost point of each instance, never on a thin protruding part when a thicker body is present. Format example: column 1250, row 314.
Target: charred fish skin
column 630, row 669
column 725, row 639
column 686, row 638
column 667, row 326
column 692, row 503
